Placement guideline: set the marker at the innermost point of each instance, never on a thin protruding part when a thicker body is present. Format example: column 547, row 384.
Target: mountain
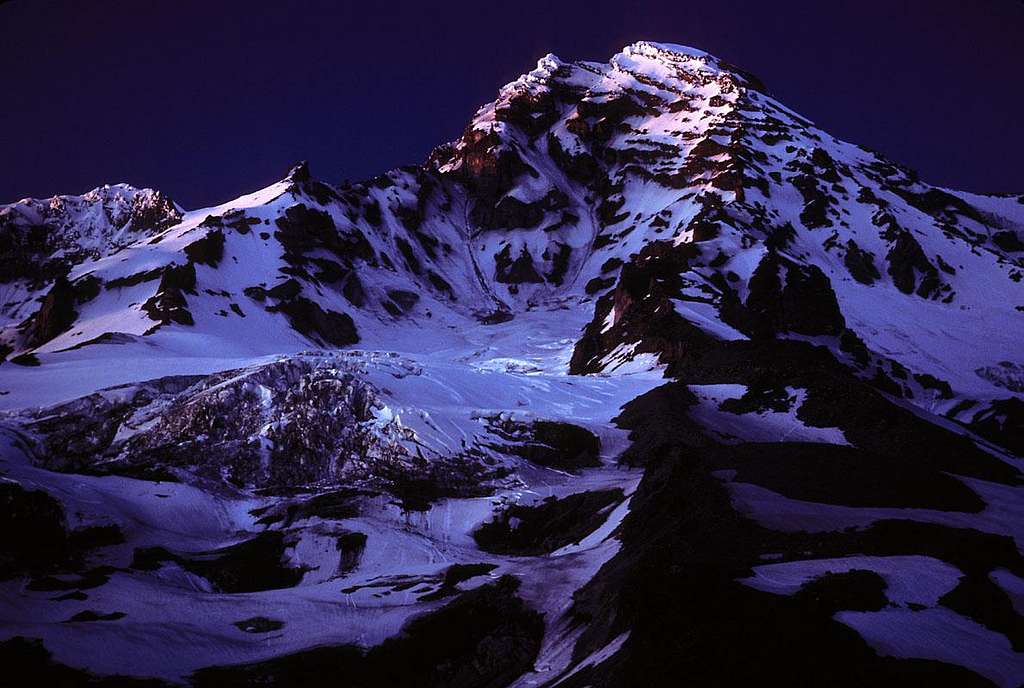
column 644, row 376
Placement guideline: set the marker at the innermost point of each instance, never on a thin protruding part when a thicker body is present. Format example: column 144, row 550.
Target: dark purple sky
column 207, row 100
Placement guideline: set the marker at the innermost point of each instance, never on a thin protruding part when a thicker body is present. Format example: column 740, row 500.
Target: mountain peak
column 721, row 279
column 676, row 59
column 48, row 234
column 669, row 53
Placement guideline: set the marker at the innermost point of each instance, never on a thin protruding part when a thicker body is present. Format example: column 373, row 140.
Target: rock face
column 322, row 326
column 543, row 529
column 668, row 586
column 646, row 358
column 787, row 297
column 55, row 316
column 169, row 303
column 486, row 637
column 34, row 530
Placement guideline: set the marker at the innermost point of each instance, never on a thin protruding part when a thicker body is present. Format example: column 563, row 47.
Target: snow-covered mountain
column 644, row 376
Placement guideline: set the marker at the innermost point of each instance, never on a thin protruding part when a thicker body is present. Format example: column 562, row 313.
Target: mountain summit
column 643, row 376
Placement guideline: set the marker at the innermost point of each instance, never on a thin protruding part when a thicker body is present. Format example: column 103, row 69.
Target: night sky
column 207, row 100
